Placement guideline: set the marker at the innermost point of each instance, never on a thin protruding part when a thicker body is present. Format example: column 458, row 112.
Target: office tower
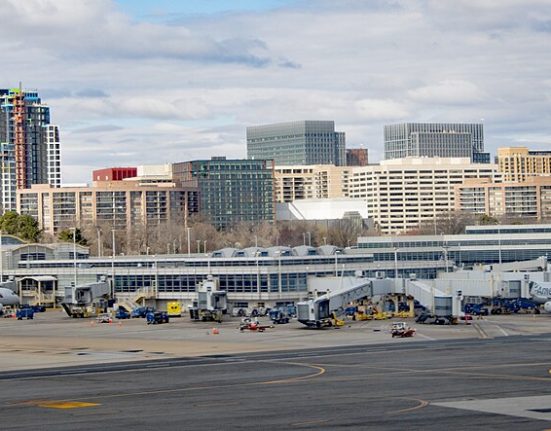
column 519, row 163
column 121, row 205
column 402, row 194
column 356, row 157
column 297, row 143
column 310, row 182
column 529, row 199
column 230, row 191
column 29, row 144
column 435, row 140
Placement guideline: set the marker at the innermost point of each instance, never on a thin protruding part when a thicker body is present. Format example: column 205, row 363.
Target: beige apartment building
column 401, row 194
column 519, row 163
column 121, row 204
column 311, row 182
column 528, row 199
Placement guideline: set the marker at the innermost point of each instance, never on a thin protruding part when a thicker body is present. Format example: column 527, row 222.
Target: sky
column 133, row 82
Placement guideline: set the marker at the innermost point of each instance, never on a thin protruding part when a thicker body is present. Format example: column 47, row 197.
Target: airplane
column 541, row 293
column 8, row 297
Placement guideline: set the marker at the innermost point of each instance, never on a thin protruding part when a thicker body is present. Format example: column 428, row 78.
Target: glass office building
column 297, row 143
column 231, row 191
column 435, row 140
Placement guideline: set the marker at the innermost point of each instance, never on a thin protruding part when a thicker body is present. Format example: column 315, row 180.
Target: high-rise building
column 121, row 205
column 230, row 191
column 297, row 143
column 530, row 199
column 310, row 182
column 356, row 157
column 435, row 140
column 402, row 194
column 29, row 145
column 519, row 163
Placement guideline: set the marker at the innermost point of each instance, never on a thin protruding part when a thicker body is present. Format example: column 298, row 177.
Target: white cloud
column 448, row 92
column 376, row 109
column 120, row 87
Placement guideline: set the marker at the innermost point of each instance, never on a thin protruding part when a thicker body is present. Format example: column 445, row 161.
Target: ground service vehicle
column 141, row 312
column 402, row 330
column 174, row 309
column 211, row 302
column 476, row 309
column 324, row 310
column 279, row 316
column 122, row 313
column 252, row 325
column 25, row 313
column 104, row 318
column 154, row 317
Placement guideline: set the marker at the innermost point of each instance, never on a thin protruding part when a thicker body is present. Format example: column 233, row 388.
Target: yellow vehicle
column 360, row 316
column 382, row 315
column 174, row 309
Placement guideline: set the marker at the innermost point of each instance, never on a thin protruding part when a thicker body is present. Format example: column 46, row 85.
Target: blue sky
column 133, row 82
column 159, row 9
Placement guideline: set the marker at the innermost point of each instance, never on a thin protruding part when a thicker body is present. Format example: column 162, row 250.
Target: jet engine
column 547, row 307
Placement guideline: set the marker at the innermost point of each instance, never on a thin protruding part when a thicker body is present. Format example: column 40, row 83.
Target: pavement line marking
column 320, row 371
column 502, row 330
column 64, row 405
column 481, row 332
column 320, row 421
column 422, row 404
column 426, row 337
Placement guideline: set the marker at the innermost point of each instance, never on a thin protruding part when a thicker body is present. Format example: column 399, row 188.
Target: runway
column 500, row 384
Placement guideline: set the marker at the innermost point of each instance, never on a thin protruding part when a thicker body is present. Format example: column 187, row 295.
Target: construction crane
column 19, row 119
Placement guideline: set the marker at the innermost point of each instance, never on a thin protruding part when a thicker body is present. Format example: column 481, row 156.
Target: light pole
column 309, row 239
column 188, row 241
column 205, row 246
column 257, row 254
column 74, row 290
column 113, row 263
column 337, row 252
column 198, row 246
column 445, row 248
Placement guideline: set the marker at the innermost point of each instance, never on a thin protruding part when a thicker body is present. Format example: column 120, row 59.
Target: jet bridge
column 85, row 300
column 319, row 312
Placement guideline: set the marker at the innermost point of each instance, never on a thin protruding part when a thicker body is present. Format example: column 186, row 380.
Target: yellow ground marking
column 422, row 404
column 320, row 371
column 46, row 403
column 65, row 404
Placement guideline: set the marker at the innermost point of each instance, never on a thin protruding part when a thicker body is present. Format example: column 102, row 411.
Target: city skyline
column 135, row 82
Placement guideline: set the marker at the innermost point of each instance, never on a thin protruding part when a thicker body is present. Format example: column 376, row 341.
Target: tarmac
column 53, row 339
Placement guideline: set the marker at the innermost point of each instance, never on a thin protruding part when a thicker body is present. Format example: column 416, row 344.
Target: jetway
column 87, row 300
column 321, row 311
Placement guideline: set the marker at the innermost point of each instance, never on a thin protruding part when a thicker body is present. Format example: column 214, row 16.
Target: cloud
column 126, row 91
column 376, row 109
column 62, row 28
column 448, row 92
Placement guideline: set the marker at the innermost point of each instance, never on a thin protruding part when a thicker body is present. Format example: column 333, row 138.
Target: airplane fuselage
column 8, row 297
